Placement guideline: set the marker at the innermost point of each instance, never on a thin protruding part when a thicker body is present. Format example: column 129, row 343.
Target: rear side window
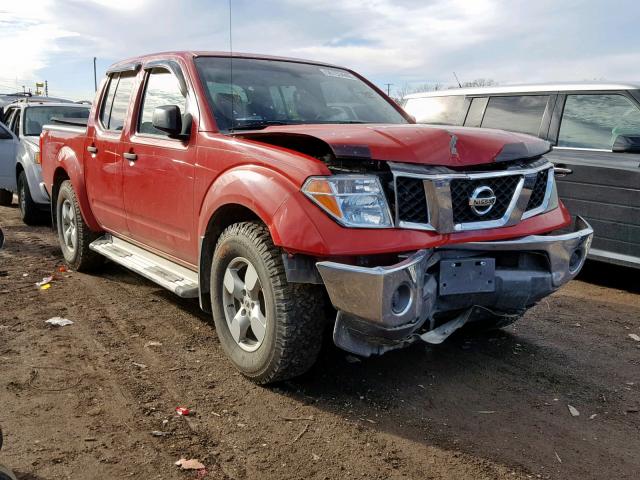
column 162, row 89
column 15, row 127
column 594, row 121
column 518, row 113
column 436, row 110
column 476, row 111
column 114, row 108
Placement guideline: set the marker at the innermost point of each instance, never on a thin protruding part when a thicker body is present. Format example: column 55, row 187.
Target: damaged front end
column 433, row 292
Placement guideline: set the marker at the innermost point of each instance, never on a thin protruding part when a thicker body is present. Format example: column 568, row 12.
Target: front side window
column 436, row 110
column 521, row 113
column 594, row 121
column 114, row 108
column 36, row 117
column 266, row 92
column 162, row 89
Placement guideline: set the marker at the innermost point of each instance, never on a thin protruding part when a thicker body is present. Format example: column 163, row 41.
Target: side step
column 181, row 281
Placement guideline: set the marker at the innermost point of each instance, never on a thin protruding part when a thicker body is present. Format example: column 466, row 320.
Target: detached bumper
column 381, row 308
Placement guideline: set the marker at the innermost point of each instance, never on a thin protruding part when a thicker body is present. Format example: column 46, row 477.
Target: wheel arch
column 225, row 216
column 70, row 168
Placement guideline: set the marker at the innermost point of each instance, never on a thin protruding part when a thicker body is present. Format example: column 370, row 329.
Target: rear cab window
column 445, row 110
column 594, row 121
column 116, row 101
column 518, row 113
column 36, row 117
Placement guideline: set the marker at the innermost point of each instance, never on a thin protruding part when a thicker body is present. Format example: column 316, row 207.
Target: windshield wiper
column 258, row 124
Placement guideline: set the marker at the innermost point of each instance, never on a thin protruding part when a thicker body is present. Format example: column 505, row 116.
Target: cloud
column 394, row 41
column 28, row 39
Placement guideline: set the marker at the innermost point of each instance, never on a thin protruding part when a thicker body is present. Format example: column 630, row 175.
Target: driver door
column 159, row 171
column 8, row 150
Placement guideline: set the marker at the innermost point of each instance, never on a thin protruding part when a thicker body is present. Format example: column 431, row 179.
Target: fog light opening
column 401, row 299
column 575, row 260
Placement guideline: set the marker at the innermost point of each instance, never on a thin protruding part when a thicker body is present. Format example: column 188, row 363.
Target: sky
column 403, row 42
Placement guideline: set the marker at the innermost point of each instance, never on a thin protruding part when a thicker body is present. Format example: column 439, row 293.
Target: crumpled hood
column 410, row 143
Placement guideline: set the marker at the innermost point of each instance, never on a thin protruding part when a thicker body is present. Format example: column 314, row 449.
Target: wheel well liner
column 222, row 218
column 59, row 176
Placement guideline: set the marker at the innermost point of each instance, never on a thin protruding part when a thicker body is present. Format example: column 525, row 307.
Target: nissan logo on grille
column 482, row 200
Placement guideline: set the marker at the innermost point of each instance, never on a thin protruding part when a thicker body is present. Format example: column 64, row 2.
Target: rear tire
column 73, row 233
column 29, row 211
column 6, row 198
column 248, row 284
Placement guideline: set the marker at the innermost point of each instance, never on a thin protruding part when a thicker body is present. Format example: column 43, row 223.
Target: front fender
column 261, row 190
column 68, row 161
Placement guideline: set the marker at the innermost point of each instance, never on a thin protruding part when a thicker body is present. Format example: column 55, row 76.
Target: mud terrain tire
column 73, row 233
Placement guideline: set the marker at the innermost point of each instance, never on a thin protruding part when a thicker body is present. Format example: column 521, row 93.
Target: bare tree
column 480, row 82
column 408, row 89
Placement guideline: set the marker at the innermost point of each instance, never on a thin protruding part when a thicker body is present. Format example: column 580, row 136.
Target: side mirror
column 627, row 144
column 168, row 118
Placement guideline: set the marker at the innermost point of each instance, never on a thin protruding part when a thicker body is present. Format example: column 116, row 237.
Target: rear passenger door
column 605, row 186
column 103, row 158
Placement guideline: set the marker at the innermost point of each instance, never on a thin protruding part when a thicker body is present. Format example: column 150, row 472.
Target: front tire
column 73, row 233
column 270, row 329
column 29, row 211
column 6, row 197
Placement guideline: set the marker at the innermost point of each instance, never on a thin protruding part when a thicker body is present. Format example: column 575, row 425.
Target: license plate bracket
column 467, row 275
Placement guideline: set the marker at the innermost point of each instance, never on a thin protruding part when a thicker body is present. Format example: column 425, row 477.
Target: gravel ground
column 81, row 401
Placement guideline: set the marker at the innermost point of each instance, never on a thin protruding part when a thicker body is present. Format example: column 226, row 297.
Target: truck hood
column 411, row 143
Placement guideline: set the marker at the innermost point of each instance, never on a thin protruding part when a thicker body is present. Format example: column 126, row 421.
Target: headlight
column 352, row 200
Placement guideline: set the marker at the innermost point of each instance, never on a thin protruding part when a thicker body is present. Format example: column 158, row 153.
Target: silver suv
column 20, row 153
column 594, row 129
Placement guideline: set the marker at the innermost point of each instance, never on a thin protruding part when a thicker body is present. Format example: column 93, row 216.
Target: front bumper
column 381, row 308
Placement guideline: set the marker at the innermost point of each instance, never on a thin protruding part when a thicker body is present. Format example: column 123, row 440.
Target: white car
column 20, row 153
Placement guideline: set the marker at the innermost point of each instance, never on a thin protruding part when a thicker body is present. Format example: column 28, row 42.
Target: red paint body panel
column 411, row 143
column 166, row 198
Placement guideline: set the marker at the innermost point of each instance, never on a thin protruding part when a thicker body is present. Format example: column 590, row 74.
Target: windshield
column 36, row 117
column 275, row 92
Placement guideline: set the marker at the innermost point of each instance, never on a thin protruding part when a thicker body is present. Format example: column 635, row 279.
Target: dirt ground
column 81, row 401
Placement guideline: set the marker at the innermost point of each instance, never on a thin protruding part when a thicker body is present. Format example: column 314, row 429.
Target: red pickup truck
column 277, row 190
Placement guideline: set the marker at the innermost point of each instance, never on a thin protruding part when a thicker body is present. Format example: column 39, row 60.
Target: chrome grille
column 438, row 198
column 412, row 202
column 461, row 190
column 539, row 190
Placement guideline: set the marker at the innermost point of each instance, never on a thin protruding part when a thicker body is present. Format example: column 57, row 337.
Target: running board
column 181, row 281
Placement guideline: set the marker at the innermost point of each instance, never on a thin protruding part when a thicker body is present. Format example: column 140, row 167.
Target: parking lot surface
column 82, row 401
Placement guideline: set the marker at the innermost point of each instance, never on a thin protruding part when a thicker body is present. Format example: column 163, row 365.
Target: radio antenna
column 459, row 84
column 233, row 117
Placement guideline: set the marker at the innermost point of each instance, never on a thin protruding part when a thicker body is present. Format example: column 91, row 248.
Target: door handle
column 561, row 170
column 132, row 157
column 92, row 149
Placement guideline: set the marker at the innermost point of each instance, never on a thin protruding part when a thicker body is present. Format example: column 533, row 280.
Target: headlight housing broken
column 352, row 200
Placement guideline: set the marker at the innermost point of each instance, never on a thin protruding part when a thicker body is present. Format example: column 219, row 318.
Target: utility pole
column 95, row 75
column 388, row 89
column 46, row 88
